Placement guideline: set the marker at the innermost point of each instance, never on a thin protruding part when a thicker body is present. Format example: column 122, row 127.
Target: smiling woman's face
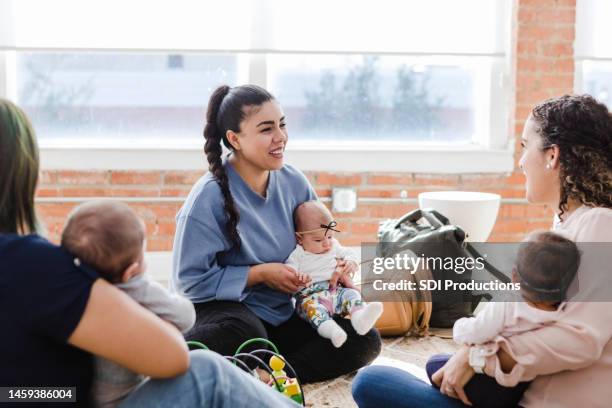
column 262, row 137
column 539, row 166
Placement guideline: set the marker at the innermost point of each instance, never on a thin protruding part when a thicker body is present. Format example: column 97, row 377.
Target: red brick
column 159, row 243
column 166, row 210
column 522, row 113
column 539, row 226
column 500, row 237
column 381, row 193
column 526, row 48
column 136, row 177
column 557, row 81
column 47, row 192
column 385, row 179
column 436, row 180
column 364, row 227
column 145, row 212
column 182, row 177
column 557, row 50
column 352, row 179
column 527, row 14
column 473, row 181
column 54, row 210
column 363, row 210
column 516, row 178
column 546, row 3
column 323, row 192
column 311, row 176
column 48, row 177
column 82, row 177
column 358, row 240
column 526, row 64
column 540, row 211
column 175, row 192
column 556, row 15
column 84, row 192
column 510, row 226
column 134, row 192
column 564, row 66
column 165, row 229
column 384, row 211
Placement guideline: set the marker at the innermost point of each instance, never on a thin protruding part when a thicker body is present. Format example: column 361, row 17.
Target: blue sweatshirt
column 204, row 266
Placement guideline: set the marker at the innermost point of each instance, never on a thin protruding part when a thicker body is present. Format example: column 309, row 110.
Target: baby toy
column 277, row 367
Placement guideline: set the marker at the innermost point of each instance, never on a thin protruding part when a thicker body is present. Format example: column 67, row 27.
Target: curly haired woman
column 567, row 161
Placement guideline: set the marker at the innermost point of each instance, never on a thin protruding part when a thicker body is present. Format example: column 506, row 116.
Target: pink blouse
column 570, row 361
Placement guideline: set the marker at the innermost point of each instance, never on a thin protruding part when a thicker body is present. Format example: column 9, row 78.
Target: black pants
column 222, row 326
column 482, row 390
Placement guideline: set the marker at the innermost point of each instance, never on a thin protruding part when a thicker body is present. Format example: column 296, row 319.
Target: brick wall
column 543, row 66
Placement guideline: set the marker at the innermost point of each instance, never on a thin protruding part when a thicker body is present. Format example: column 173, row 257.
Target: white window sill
column 336, row 157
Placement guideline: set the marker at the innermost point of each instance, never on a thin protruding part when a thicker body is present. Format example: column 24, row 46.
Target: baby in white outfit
column 317, row 256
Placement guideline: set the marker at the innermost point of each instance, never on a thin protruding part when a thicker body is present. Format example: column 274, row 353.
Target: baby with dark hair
column 315, row 259
column 108, row 236
column 545, row 267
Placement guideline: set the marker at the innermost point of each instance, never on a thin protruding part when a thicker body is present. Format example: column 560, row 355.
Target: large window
column 390, row 72
column 132, row 97
column 594, row 49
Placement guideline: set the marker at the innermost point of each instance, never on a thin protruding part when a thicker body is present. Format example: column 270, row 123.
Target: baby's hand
column 345, row 270
column 304, row 278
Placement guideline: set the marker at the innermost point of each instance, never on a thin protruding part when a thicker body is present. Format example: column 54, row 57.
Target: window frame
column 581, row 53
column 493, row 151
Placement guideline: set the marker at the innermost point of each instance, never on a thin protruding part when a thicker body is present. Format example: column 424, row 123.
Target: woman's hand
column 345, row 270
column 453, row 376
column 277, row 276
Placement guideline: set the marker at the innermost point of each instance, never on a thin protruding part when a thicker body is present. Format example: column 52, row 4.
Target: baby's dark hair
column 106, row 235
column 315, row 209
column 546, row 266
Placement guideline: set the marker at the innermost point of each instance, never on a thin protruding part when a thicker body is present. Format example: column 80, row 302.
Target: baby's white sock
column 332, row 330
column 363, row 319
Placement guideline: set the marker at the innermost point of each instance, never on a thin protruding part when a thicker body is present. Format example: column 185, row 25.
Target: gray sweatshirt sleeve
column 171, row 307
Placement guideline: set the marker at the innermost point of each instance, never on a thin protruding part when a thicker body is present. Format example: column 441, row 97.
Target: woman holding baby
column 567, row 162
column 56, row 312
column 236, row 230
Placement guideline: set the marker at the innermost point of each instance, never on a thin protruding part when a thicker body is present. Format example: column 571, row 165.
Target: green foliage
column 353, row 106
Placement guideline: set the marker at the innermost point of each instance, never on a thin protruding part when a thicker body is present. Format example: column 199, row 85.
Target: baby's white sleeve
column 346, row 253
column 484, row 327
column 294, row 259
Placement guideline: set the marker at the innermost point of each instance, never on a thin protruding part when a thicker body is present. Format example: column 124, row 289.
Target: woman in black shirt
column 55, row 312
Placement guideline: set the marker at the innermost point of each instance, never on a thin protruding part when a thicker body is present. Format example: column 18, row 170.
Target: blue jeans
column 210, row 382
column 381, row 386
column 482, row 390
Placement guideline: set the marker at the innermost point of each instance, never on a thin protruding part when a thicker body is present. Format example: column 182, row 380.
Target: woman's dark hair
column 19, row 167
column 582, row 128
column 226, row 110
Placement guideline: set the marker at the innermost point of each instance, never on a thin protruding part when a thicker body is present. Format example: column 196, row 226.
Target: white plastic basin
column 474, row 212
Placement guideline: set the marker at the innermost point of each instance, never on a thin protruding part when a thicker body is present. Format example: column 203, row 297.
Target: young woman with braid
column 234, row 232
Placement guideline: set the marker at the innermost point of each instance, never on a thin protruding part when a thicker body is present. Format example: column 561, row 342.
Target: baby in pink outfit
column 545, row 267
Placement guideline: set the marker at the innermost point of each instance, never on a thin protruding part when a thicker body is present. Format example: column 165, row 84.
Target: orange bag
column 406, row 311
